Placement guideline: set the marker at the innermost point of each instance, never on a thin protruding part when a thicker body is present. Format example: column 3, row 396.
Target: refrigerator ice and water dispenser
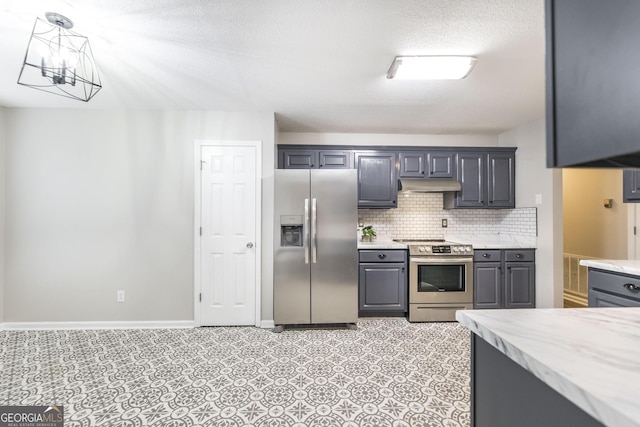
column 291, row 230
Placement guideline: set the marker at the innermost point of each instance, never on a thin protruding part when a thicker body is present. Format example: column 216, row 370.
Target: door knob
column 250, row 245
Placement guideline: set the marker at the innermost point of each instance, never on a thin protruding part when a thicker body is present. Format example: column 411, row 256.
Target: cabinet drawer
column 601, row 299
column 616, row 284
column 382, row 255
column 485, row 255
column 520, row 255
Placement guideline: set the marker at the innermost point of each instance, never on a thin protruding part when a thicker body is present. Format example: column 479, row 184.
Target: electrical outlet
column 444, row 222
column 120, row 296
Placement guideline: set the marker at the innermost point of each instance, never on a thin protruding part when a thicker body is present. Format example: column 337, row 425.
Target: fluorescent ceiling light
column 431, row 67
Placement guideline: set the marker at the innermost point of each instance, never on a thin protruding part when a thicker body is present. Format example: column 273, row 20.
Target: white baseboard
column 158, row 324
column 267, row 324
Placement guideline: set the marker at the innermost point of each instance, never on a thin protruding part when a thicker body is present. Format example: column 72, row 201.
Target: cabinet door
column 377, row 181
column 487, row 285
column 301, row 159
column 471, row 173
column 519, row 285
column 631, row 185
column 501, row 190
column 592, row 101
column 440, row 165
column 383, row 287
column 411, row 165
column 335, row 159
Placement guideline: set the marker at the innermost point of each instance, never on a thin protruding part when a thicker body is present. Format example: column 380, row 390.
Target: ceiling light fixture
column 59, row 61
column 431, row 67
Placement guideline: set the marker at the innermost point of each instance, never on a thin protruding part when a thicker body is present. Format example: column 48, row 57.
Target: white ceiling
column 320, row 65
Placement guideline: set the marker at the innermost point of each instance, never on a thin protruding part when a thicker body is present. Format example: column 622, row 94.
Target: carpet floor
column 387, row 372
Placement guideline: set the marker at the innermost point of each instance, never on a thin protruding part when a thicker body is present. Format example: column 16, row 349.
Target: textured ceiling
column 320, row 65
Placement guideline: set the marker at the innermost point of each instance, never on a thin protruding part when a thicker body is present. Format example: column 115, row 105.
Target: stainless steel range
column 440, row 279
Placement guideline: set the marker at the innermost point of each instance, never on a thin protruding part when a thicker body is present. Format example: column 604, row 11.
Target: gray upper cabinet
column 299, row 159
column 377, row 179
column 313, row 159
column 412, row 164
column 487, row 179
column 471, row 174
column 592, row 79
column 501, row 180
column 335, row 159
column 486, row 174
column 440, row 164
column 430, row 164
column 631, row 186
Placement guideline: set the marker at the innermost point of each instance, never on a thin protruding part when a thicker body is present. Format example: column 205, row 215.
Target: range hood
column 419, row 185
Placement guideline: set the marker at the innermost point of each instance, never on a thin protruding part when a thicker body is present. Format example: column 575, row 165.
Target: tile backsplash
column 420, row 215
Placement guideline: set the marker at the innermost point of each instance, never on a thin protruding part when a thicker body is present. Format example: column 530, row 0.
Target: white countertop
column 589, row 355
column 495, row 241
column 381, row 244
column 626, row 266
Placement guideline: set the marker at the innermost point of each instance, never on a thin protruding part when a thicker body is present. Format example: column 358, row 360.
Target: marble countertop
column 626, row 266
column 495, row 241
column 589, row 355
column 381, row 244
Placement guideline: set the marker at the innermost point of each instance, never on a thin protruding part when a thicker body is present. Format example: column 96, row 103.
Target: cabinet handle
column 631, row 287
column 486, row 255
column 382, row 256
column 518, row 256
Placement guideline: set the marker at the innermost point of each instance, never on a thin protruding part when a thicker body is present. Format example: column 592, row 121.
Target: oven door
column 441, row 280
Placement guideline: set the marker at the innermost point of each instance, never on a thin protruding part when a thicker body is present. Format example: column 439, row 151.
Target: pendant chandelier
column 59, row 60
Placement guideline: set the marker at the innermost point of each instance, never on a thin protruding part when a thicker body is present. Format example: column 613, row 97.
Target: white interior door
column 228, row 251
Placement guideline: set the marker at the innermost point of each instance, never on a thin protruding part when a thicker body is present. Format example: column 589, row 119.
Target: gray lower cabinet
column 607, row 289
column 382, row 282
column 504, row 278
column 377, row 179
column 631, row 186
column 503, row 393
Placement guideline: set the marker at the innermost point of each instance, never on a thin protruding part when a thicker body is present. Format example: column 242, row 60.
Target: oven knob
column 468, row 249
column 456, row 249
column 421, row 249
column 427, row 248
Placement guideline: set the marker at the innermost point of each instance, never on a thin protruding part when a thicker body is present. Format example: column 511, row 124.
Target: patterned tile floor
column 388, row 372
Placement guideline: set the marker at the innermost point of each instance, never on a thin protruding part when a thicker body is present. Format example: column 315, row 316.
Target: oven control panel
column 466, row 250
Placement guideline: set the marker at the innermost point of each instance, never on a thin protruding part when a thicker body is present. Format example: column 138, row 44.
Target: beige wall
column 590, row 229
column 102, row 200
column 533, row 178
column 2, row 208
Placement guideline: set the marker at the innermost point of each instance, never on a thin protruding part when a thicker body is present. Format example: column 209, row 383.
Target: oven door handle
column 439, row 260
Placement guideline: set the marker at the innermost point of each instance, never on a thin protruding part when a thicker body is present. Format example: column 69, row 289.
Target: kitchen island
column 555, row 367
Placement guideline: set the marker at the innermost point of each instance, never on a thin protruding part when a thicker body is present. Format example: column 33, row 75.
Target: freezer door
column 334, row 251
column 291, row 284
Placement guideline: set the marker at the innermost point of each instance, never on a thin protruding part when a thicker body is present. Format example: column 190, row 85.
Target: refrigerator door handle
column 305, row 234
column 314, row 231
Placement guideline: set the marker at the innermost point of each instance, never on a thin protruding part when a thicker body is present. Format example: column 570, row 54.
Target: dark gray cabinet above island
column 592, row 79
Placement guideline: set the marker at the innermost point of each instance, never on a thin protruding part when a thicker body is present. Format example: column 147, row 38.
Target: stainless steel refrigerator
column 315, row 253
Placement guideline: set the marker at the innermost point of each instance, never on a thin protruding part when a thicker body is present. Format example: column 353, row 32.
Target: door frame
column 197, row 221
